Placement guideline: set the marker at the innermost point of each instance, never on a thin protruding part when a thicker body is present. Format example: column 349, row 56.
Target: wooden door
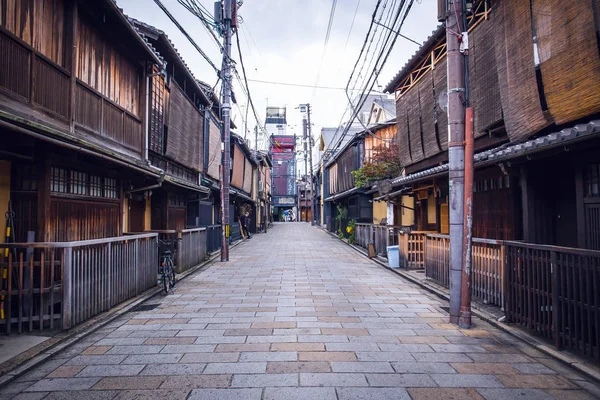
column 592, row 226
column 137, row 214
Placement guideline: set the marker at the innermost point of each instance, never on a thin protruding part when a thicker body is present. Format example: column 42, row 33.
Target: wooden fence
column 380, row 235
column 191, row 248
column 213, row 238
column 554, row 291
column 487, row 266
column 65, row 283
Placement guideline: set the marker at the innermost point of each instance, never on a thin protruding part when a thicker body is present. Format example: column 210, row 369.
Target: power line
column 183, row 31
column 327, row 35
column 298, row 85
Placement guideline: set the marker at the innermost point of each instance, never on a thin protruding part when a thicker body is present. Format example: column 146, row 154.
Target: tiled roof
column 506, row 152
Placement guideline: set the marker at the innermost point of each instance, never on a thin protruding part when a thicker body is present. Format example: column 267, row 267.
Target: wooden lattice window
column 177, row 200
column 58, row 180
column 78, row 183
column 95, row 186
column 591, row 180
column 110, row 188
column 157, row 125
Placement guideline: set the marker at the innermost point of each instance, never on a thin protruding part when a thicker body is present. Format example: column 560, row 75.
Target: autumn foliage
column 384, row 164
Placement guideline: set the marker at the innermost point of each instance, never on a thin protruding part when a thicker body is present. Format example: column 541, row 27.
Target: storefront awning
column 344, row 194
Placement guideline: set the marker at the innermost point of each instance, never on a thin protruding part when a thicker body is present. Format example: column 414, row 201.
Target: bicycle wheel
column 167, row 272
column 172, row 274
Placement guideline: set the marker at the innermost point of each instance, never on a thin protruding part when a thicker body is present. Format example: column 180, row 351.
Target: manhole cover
column 145, row 307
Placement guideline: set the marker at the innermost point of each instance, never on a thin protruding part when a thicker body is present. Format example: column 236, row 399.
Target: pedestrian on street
column 244, row 220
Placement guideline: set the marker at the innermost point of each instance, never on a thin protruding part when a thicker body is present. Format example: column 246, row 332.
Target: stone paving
column 297, row 314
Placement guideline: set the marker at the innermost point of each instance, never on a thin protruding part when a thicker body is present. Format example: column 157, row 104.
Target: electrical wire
column 299, row 85
column 327, row 36
column 188, row 37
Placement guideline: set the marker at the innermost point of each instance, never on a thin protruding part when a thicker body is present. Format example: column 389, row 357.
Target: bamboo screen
column 214, row 146
column 247, row 187
column 519, row 95
column 570, row 62
column 237, row 179
column 414, row 124
column 427, row 103
column 441, row 86
column 185, row 142
column 484, row 91
column 403, row 134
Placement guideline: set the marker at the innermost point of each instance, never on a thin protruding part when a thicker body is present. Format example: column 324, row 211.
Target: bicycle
column 167, row 268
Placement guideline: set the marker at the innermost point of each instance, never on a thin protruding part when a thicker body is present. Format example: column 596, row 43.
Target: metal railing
column 191, row 248
column 69, row 282
column 213, row 238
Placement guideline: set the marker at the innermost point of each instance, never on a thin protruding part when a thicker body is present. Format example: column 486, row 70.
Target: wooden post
column 73, row 65
column 136, row 265
column 555, row 306
column 67, row 287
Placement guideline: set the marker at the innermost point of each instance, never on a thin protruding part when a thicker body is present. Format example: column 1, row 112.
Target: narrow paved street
column 297, row 314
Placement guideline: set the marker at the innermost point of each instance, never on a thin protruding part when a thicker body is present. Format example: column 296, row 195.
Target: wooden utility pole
column 456, row 147
column 226, row 118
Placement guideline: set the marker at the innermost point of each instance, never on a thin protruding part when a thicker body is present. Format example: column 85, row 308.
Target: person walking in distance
column 245, row 220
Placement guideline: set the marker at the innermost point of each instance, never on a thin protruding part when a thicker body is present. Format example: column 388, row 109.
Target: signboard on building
column 285, row 201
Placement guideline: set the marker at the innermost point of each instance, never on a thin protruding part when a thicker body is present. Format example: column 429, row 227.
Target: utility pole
column 454, row 13
column 255, row 138
column 227, row 14
column 305, row 137
column 310, row 149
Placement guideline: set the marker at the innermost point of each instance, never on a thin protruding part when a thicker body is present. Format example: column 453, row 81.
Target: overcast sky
column 282, row 41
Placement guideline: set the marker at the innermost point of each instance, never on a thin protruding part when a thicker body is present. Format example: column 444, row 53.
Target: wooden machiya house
column 184, row 139
column 534, row 85
column 536, row 99
column 73, row 112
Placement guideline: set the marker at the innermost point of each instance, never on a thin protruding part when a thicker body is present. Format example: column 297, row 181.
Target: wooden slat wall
column 483, row 76
column 247, row 187
column 15, row 16
column 105, row 69
column 157, row 114
column 49, row 27
column 570, row 61
column 521, row 104
column 214, row 146
column 15, row 62
column 185, row 141
column 333, row 174
column 83, row 220
column 345, row 165
column 237, row 178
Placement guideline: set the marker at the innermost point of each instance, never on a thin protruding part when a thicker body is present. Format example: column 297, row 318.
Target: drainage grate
column 145, row 307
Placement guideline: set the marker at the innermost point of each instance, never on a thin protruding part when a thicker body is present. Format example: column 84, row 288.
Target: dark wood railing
column 381, row 236
column 65, row 283
column 554, row 291
column 487, row 263
column 192, row 248
column 412, row 249
column 213, row 238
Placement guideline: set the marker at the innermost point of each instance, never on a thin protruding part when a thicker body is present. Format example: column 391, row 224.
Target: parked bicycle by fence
column 167, row 251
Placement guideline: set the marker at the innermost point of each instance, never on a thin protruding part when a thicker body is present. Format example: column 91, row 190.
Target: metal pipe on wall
column 465, row 307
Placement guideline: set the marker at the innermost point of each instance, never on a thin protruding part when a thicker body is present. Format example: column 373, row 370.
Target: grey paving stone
column 510, row 394
column 97, row 360
column 529, row 368
column 269, row 356
column 262, row 380
column 157, row 394
column 62, row 384
column 272, row 339
column 225, row 394
column 188, row 348
column 498, row 358
column 361, row 366
column 457, row 348
column 147, row 349
column 332, row 379
column 110, row 370
column 441, row 357
column 372, row 393
column 220, row 339
column 153, row 359
column 209, row 357
column 423, row 368
column 236, row 368
column 25, row 396
column 153, row 334
column 400, row 380
column 300, row 393
column 77, row 395
column 173, row 369
column 466, row 380
column 384, row 356
column 120, row 341
column 409, row 348
column 352, row 347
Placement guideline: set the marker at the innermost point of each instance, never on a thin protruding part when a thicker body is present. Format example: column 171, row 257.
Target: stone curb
column 580, row 365
column 63, row 340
